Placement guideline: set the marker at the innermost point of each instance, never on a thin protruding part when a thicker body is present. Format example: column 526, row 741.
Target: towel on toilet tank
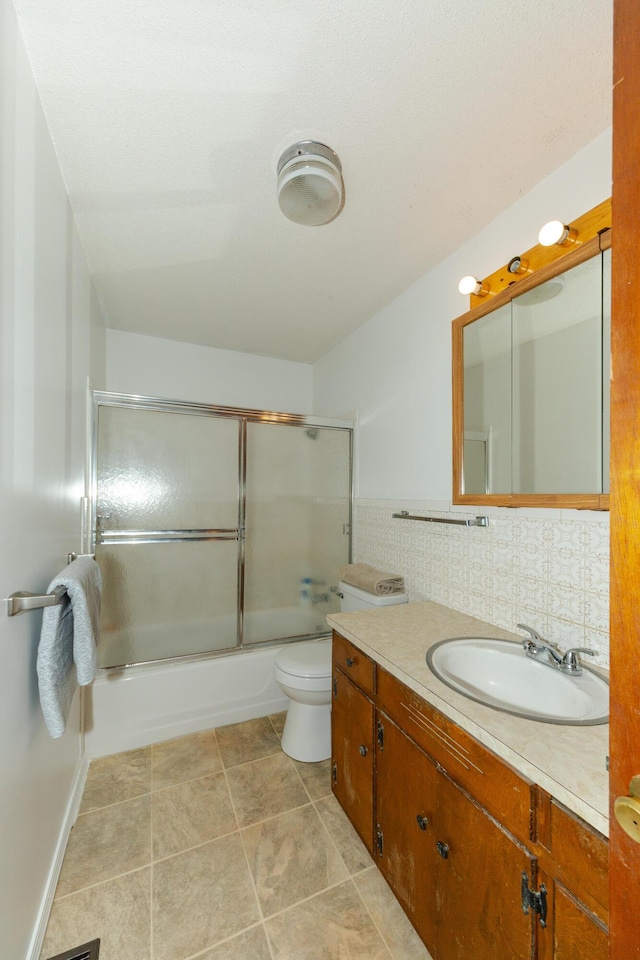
column 67, row 653
column 368, row 578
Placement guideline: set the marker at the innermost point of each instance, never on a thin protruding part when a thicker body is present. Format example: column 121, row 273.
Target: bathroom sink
column 499, row 674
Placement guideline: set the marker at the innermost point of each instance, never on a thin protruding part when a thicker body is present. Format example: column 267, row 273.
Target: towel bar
column 474, row 522
column 22, row 600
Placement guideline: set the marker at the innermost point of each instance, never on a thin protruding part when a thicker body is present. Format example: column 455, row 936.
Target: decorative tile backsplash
column 552, row 574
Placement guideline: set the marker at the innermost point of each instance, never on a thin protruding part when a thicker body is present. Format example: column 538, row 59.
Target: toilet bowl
column 303, row 671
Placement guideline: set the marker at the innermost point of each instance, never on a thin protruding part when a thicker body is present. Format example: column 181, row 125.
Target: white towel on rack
column 67, row 653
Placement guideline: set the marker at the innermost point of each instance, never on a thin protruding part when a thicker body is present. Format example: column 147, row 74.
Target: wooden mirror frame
column 541, row 264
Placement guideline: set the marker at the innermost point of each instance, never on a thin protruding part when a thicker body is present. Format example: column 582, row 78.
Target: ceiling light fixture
column 556, row 232
column 310, row 187
column 471, row 285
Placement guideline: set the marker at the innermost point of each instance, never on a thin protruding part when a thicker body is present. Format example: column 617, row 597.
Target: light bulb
column 469, row 285
column 554, row 232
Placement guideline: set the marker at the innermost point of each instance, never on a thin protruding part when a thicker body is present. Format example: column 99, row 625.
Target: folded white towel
column 67, row 651
column 370, row 579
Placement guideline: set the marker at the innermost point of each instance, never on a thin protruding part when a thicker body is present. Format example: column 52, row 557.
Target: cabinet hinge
column 334, row 770
column 335, row 687
column 379, row 839
column 380, row 735
column 534, row 901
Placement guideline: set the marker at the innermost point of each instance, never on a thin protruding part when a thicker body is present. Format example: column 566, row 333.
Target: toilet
column 303, row 671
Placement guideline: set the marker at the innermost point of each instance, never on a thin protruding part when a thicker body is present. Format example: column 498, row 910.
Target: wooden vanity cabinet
column 406, row 798
column 575, row 862
column 457, row 832
column 456, row 872
column 352, row 739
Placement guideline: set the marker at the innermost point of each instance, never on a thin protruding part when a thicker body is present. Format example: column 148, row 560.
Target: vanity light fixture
column 556, row 232
column 471, row 285
column 518, row 265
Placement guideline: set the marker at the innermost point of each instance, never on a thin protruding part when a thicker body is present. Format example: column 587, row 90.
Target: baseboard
column 73, row 805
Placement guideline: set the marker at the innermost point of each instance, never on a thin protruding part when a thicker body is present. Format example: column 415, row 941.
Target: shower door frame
column 243, row 416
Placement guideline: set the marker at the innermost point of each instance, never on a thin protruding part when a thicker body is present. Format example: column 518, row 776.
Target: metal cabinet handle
column 443, row 849
column 363, row 750
column 349, row 662
column 423, row 822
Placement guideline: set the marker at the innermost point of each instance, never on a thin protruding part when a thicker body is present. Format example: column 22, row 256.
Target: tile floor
column 218, row 846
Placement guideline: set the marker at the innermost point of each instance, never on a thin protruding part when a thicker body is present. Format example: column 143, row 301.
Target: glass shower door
column 298, row 500
column 167, row 533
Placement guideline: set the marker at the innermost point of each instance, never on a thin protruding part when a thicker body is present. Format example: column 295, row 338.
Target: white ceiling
column 169, row 116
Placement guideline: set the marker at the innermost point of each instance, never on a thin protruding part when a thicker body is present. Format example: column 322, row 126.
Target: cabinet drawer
column 358, row 667
column 505, row 793
column 581, row 855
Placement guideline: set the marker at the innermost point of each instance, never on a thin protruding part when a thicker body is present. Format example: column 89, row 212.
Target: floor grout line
column 377, row 928
column 101, row 883
column 116, row 803
column 312, row 896
column 333, row 842
column 246, row 858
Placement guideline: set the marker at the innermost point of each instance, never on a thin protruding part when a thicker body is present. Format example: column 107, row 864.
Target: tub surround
column 568, row 762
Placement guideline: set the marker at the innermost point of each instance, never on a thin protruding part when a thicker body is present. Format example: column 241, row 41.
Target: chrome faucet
column 538, row 649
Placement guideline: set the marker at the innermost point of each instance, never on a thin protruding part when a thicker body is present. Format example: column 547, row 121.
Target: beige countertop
column 569, row 762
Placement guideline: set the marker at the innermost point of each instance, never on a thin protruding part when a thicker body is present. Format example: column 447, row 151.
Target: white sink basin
column 499, row 674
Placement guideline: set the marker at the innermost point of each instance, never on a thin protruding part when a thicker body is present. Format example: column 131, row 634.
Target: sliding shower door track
column 214, row 654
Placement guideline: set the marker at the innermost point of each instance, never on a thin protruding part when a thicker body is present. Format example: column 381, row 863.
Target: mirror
column 531, row 388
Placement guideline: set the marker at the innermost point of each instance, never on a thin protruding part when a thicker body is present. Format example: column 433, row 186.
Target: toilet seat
column 310, row 660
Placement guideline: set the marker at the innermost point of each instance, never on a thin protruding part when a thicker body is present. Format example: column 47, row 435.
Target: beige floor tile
column 116, row 778
column 331, row 926
column 118, row 912
column 106, row 843
column 402, row 940
column 351, row 848
column 251, row 740
column 250, row 945
column 316, row 777
column 265, row 788
column 190, row 814
column 185, row 758
column 291, row 857
column 278, row 719
column 201, row 897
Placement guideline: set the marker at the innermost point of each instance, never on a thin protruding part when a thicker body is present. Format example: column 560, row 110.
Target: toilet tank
column 352, row 598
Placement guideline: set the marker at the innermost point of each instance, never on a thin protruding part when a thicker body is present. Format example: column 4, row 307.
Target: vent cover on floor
column 88, row 951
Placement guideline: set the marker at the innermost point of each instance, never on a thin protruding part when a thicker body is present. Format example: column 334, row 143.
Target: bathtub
column 133, row 707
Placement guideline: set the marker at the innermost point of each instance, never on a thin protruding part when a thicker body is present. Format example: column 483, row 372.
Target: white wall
column 152, row 367
column 396, row 369
column 51, row 340
column 547, row 568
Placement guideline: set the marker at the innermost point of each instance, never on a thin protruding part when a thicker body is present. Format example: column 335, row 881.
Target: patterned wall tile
column 552, row 574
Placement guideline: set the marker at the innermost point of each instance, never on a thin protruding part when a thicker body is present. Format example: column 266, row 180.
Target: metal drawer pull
column 423, row 822
column 443, row 849
column 363, row 750
column 349, row 662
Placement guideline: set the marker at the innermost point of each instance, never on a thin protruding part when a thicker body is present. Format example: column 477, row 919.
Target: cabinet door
column 352, row 748
column 405, row 809
column 577, row 931
column 479, row 883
